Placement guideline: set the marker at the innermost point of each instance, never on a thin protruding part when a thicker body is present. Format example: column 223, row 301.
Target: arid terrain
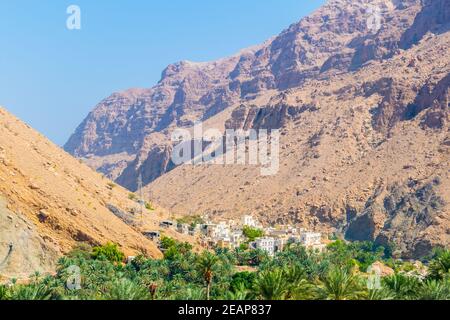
column 50, row 202
column 360, row 91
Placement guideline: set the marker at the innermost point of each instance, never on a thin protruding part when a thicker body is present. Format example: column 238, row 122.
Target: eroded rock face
column 23, row 250
column 433, row 17
column 334, row 38
column 265, row 117
column 157, row 161
column 400, row 217
column 50, row 203
column 402, row 102
column 360, row 92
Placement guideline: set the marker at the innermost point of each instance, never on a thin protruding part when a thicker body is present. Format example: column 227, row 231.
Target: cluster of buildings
column 276, row 239
column 230, row 234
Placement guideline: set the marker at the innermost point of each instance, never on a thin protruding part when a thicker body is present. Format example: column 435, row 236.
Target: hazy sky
column 52, row 77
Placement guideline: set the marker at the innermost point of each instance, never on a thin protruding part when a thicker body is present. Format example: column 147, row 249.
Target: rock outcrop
column 50, row 202
column 359, row 90
column 341, row 36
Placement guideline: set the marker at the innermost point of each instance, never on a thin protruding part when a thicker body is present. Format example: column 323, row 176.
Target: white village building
column 183, row 228
column 237, row 238
column 265, row 244
column 250, row 221
column 310, row 238
column 222, row 231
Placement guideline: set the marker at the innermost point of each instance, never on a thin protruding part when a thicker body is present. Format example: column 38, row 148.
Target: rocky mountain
column 50, row 202
column 360, row 92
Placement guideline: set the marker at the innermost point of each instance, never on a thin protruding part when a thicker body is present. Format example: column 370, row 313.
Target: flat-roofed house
column 266, row 244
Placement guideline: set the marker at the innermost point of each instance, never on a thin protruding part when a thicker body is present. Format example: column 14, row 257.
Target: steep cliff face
column 50, row 202
column 364, row 154
column 340, row 36
column 264, row 117
column 357, row 85
column 404, row 217
column 434, row 17
column 401, row 101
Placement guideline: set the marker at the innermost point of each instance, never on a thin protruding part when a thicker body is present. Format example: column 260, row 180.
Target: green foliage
column 190, row 293
column 125, row 289
column 243, row 246
column 271, row 285
column 149, row 206
column 378, row 294
column 110, row 252
column 4, row 293
column 31, row 292
column 294, row 274
column 340, row 284
column 191, row 220
column 440, row 265
column 240, row 293
column 283, row 284
column 242, row 280
column 299, row 288
column 434, row 290
column 252, row 234
column 402, row 286
column 207, row 264
column 361, row 254
column 167, row 242
column 132, row 196
column 173, row 249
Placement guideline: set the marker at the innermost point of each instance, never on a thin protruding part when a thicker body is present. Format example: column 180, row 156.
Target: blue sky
column 52, row 77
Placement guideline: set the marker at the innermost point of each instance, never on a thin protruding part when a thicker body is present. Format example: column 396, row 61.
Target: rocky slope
column 50, row 202
column 127, row 133
column 360, row 90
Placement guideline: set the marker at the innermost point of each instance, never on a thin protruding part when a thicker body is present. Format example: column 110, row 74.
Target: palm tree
column 153, row 289
column 440, row 266
column 31, row 292
column 190, row 293
column 194, row 294
column 402, row 286
column 207, row 264
column 340, row 284
column 240, row 293
column 299, row 287
column 124, row 289
column 4, row 293
column 379, row 294
column 272, row 285
column 434, row 290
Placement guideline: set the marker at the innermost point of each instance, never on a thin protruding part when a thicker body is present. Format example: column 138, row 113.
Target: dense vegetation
column 192, row 221
column 252, row 233
column 339, row 273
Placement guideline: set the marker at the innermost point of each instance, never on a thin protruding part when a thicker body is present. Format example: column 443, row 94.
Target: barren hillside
column 49, row 202
column 338, row 173
column 360, row 90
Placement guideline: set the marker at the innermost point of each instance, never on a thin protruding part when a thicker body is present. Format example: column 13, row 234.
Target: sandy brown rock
column 127, row 129
column 363, row 111
column 50, row 202
column 355, row 143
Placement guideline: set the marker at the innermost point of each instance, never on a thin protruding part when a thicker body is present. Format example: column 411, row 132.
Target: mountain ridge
column 380, row 67
column 123, row 123
column 50, row 202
